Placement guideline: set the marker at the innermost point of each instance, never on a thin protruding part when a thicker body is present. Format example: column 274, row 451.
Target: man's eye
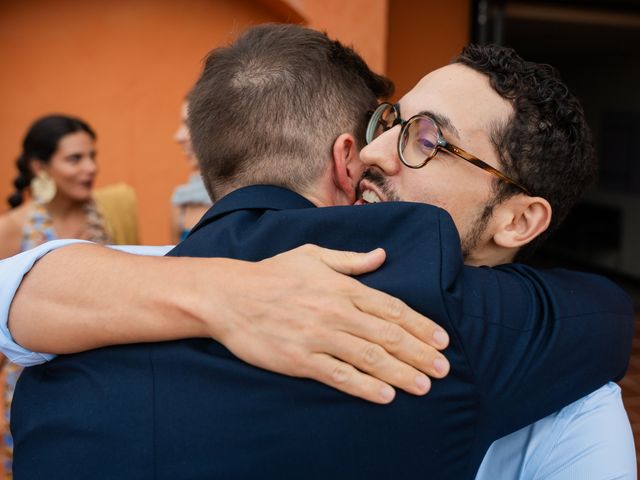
column 426, row 144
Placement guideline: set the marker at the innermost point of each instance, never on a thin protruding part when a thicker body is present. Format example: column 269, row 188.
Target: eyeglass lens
column 419, row 141
column 419, row 138
column 381, row 121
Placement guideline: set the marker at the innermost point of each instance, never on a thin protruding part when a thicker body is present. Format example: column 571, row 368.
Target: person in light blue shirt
column 589, row 439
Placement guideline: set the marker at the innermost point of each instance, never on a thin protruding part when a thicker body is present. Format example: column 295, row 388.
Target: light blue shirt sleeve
column 591, row 439
column 12, row 271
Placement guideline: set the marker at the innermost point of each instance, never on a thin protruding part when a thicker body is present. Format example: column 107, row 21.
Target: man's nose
column 382, row 152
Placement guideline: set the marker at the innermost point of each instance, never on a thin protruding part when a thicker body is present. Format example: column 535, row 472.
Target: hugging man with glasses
column 524, row 343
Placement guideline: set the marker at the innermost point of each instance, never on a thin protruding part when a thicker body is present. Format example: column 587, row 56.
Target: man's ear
column 520, row 219
column 347, row 168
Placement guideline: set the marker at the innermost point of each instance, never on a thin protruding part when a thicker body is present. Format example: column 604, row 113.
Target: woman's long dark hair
column 40, row 143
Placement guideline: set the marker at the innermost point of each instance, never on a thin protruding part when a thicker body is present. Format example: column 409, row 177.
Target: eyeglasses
column 421, row 138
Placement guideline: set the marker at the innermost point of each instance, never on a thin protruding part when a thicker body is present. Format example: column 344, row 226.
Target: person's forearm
column 85, row 296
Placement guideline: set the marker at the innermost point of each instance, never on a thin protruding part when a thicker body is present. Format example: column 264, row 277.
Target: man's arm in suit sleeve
column 539, row 340
column 535, row 340
column 272, row 314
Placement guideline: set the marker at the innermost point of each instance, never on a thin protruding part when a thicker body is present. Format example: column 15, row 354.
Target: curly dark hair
column 546, row 145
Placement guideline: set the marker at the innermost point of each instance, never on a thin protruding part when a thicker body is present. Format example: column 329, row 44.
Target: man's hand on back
column 295, row 315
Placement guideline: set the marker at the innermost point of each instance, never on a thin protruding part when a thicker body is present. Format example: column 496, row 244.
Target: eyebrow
column 443, row 122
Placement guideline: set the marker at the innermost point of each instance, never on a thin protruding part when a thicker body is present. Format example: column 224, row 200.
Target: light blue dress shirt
column 590, row 439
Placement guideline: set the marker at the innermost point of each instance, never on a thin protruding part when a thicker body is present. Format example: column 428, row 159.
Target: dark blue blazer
column 524, row 343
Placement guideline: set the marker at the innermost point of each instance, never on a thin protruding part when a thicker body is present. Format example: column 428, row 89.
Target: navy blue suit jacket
column 524, row 343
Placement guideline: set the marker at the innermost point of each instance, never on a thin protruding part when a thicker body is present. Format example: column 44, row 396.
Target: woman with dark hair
column 54, row 189
column 54, row 198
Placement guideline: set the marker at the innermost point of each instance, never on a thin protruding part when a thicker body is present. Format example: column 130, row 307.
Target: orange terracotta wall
column 124, row 66
column 424, row 35
column 360, row 23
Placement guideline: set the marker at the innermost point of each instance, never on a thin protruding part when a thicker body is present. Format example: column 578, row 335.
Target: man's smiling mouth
column 369, row 196
column 370, row 192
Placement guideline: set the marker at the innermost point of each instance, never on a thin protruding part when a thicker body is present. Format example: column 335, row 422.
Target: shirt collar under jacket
column 263, row 197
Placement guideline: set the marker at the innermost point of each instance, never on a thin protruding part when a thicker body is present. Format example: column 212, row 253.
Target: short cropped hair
column 546, row 145
column 267, row 108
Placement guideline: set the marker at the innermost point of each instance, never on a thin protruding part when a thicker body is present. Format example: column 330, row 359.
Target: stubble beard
column 470, row 241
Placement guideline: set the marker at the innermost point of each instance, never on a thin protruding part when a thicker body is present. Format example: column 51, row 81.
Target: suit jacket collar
column 263, row 197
